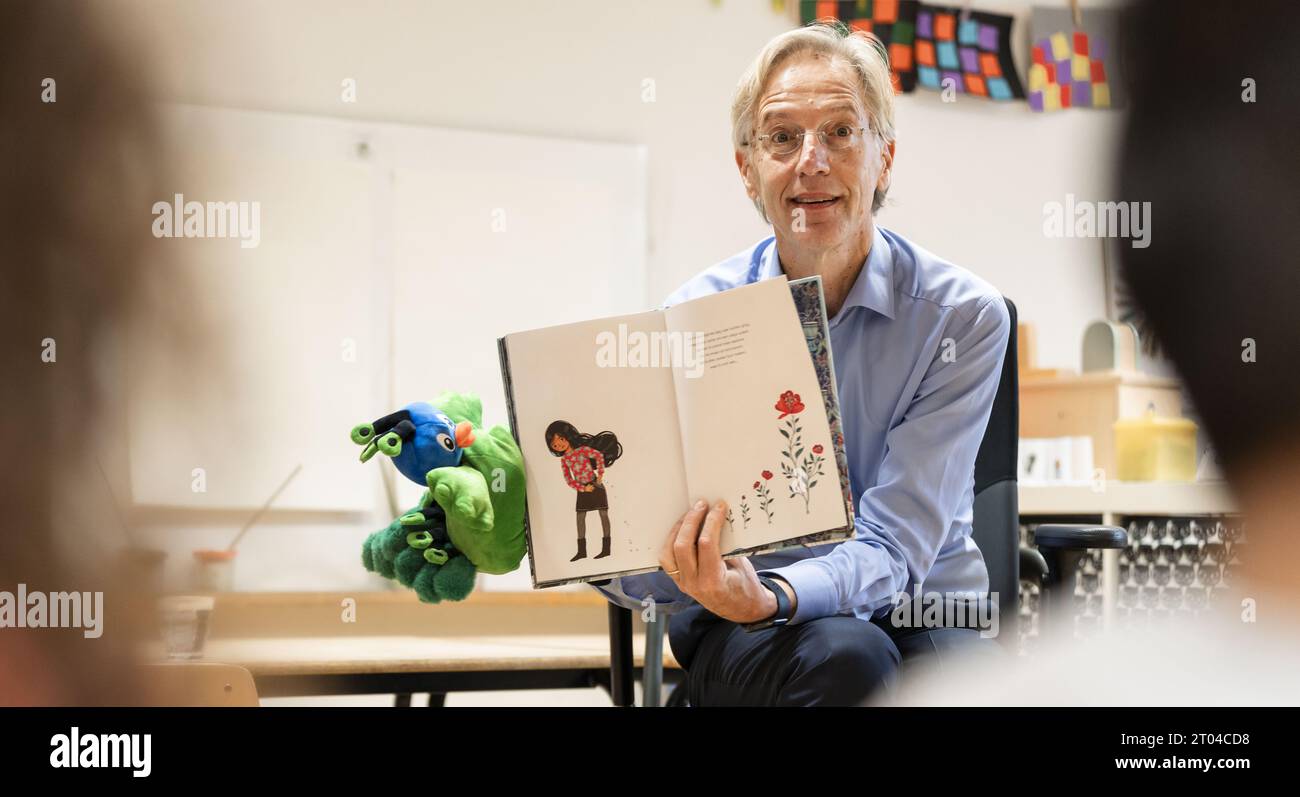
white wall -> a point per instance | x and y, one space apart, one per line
970 182
971 176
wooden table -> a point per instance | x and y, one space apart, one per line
295 645
401 665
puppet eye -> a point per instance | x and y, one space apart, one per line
447 442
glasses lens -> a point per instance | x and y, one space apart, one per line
781 140
837 136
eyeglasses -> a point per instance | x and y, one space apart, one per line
837 136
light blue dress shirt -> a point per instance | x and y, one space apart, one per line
917 350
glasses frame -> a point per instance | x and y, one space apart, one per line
859 134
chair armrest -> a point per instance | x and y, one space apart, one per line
1032 565
1079 536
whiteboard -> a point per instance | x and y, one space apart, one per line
497 234
391 258
274 388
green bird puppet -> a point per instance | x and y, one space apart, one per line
471 517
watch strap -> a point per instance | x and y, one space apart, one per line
782 615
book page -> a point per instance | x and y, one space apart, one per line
605 388
754 425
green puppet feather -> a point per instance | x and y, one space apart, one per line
470 519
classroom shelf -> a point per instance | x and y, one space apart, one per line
1116 498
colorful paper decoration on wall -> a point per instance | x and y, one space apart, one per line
1073 67
892 21
969 51
935 46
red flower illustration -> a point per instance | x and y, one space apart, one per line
817 449
767 474
755 485
788 404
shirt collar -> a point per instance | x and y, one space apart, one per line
874 287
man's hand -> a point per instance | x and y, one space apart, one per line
691 557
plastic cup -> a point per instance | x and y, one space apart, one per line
184 624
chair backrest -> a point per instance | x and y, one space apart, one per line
995 525
200 683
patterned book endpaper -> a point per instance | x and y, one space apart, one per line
810 303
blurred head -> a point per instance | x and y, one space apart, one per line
82 148
822 77
1219 282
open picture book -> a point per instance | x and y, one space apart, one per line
625 422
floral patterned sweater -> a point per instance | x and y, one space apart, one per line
577 466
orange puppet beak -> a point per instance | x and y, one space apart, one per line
464 434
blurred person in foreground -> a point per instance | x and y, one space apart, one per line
1221 173
77 132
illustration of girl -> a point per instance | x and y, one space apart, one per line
583 459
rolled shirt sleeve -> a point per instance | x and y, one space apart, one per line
904 518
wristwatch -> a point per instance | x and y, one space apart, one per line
783 612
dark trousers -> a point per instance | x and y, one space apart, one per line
830 661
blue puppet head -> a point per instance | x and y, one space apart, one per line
419 438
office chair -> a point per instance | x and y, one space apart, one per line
995 527
995 517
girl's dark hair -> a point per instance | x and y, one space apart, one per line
604 442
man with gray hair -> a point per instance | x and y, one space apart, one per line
918 346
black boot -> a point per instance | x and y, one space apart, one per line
582 550
604 548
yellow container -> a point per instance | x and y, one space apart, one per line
1151 448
